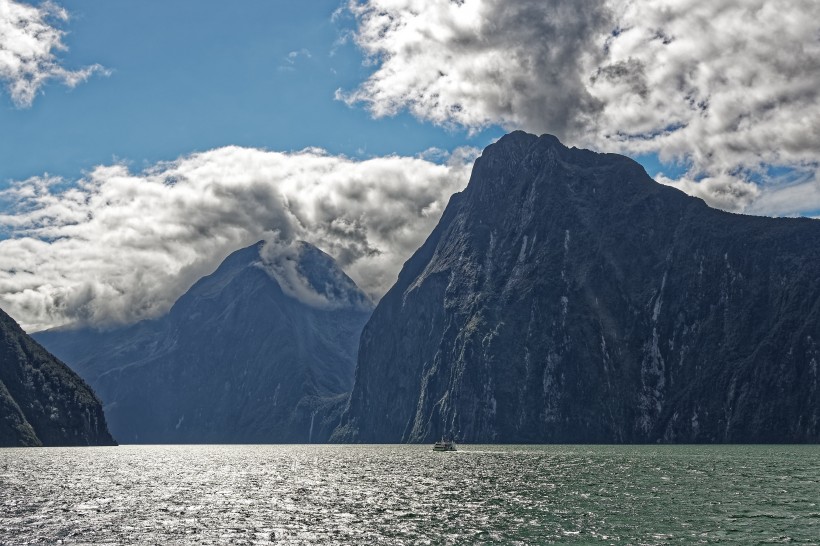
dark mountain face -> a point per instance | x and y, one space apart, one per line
260 351
567 297
42 402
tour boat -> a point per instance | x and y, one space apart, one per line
444 445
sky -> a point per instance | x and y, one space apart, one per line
142 142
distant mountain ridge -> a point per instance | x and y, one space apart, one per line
565 296
42 402
260 351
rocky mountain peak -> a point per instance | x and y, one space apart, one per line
43 402
257 351
565 296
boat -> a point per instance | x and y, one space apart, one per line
444 445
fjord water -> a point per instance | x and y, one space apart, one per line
407 494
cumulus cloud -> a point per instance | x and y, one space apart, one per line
724 87
28 42
118 246
476 63
796 195
722 191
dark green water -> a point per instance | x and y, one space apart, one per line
411 495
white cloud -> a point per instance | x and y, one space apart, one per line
119 246
724 86
790 198
723 191
476 63
292 58
310 276
28 42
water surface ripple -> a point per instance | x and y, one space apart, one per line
410 495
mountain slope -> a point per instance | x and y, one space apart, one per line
42 402
251 353
567 297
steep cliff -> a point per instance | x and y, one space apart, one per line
567 297
262 350
42 402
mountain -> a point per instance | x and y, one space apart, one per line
567 297
42 402
262 350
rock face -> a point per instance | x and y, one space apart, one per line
567 297
262 350
42 402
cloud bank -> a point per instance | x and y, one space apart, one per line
731 90
118 246
726 88
28 42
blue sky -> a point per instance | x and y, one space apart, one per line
189 76
142 142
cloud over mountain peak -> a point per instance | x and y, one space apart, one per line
726 88
119 246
